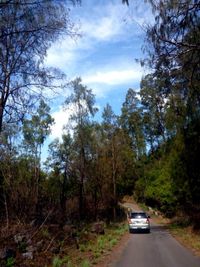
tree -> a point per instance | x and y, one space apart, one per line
27 30
109 124
82 101
8 153
172 92
154 104
35 131
131 121
37 128
60 161
174 49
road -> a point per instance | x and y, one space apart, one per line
157 249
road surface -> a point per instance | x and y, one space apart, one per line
157 249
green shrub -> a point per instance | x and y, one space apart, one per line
85 263
10 262
113 242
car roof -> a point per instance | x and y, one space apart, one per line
138 211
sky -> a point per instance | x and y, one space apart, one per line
104 56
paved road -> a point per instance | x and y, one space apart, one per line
157 249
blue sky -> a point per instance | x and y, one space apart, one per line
104 56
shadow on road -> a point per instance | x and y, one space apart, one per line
154 228
158 227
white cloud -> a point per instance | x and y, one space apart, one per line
62 54
113 77
104 27
61 118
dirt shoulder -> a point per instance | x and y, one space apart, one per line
107 260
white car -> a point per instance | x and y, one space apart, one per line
138 221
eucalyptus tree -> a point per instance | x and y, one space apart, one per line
154 108
173 49
8 155
60 162
132 122
35 131
83 102
117 159
27 30
109 124
173 55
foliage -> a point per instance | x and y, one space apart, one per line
58 262
27 30
85 263
10 262
170 103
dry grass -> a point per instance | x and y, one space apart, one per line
188 237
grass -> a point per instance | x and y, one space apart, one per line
186 236
59 262
91 251
10 262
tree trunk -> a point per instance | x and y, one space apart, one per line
1 116
81 199
114 181
6 210
63 193
82 176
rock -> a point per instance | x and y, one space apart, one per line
28 255
55 250
2 254
40 245
67 229
98 228
19 238
30 249
5 254
29 241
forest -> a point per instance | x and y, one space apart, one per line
150 151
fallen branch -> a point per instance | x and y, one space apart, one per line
37 231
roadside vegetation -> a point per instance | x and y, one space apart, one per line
81 245
151 150
187 236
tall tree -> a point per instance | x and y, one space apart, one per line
174 48
27 30
59 160
131 121
8 153
173 57
35 131
153 101
82 100
109 124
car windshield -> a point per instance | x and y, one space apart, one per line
138 215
